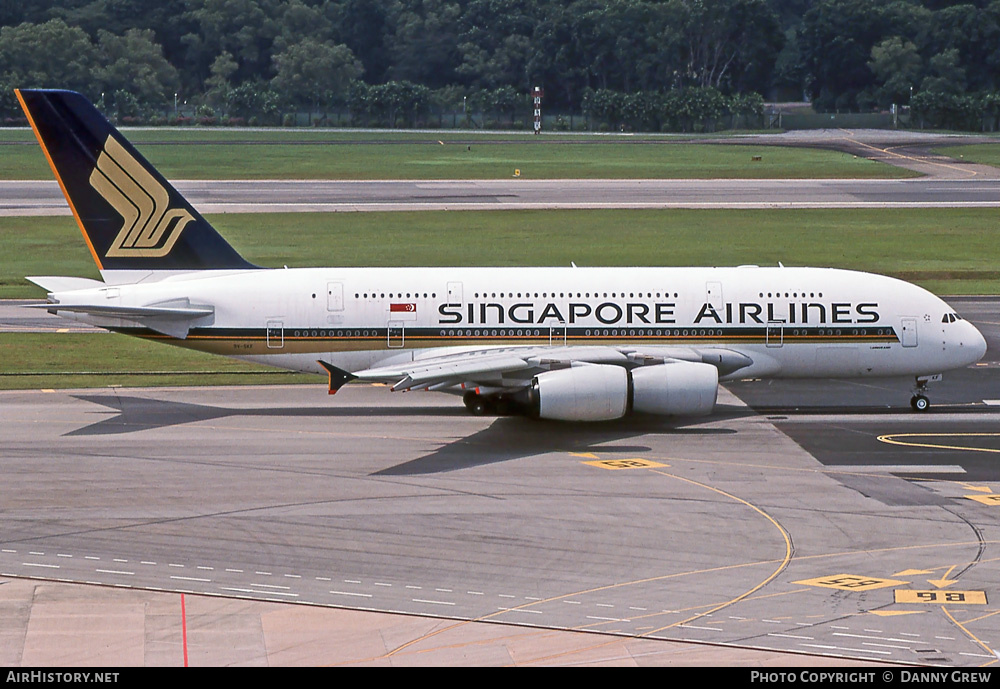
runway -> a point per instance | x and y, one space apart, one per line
35 198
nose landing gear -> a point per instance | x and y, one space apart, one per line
919 401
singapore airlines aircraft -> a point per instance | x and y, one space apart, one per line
575 344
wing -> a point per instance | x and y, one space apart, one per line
499 369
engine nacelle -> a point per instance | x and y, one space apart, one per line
581 393
602 392
680 387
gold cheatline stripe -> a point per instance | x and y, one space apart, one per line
301 345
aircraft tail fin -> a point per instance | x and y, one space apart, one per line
131 217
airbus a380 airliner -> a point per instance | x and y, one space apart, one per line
574 344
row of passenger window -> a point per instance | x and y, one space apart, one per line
519 295
792 295
571 295
393 295
651 332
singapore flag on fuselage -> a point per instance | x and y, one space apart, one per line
403 312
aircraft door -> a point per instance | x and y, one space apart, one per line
275 334
455 293
557 334
909 335
775 336
395 334
713 295
335 296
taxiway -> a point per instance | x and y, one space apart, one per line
735 531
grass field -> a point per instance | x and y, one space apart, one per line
950 251
319 135
987 154
597 158
70 360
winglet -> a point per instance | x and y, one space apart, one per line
338 376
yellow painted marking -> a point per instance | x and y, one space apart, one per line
626 464
913 572
781 566
588 455
896 613
981 489
969 634
48 390
944 581
926 161
892 440
787 558
982 617
992 499
940 597
850 582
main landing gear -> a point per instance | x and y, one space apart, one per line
919 401
496 404
478 405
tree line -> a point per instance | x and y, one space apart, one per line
640 64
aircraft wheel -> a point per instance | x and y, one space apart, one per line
920 403
477 404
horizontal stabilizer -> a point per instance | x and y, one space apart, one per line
170 318
54 283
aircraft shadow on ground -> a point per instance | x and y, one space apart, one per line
510 438
140 413
504 439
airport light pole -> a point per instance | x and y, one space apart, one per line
536 95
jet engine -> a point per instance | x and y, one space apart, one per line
602 393
580 393
682 387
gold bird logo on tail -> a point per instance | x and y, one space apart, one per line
151 228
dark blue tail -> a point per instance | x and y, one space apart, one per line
131 217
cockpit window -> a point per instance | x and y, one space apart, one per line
950 318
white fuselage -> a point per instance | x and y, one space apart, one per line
792 322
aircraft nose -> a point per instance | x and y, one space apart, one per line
971 342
